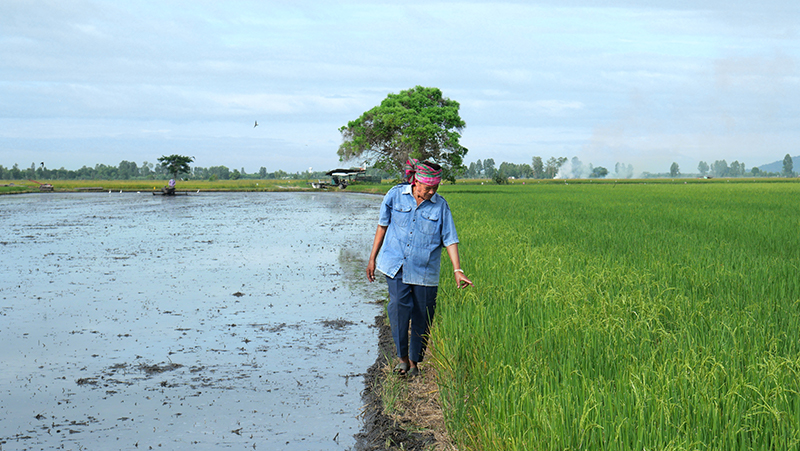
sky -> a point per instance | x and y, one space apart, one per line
643 83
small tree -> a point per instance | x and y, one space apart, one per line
553 165
788 166
488 168
598 172
538 168
674 170
176 164
703 168
478 169
418 123
720 168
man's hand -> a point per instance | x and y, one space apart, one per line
377 242
462 281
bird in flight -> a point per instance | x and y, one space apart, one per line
256 125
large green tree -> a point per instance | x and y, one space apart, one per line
176 164
418 123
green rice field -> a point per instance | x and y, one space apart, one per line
658 316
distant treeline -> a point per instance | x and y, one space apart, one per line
540 169
720 168
563 167
128 170
560 167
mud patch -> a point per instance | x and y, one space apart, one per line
337 324
159 368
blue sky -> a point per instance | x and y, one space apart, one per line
644 83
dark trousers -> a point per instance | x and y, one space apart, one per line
414 304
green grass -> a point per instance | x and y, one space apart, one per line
623 317
25 186
15 189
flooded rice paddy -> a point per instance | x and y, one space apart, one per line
207 321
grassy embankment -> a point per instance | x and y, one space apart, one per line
621 317
26 186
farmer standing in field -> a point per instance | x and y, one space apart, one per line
415 224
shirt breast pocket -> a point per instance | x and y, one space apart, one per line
429 222
401 215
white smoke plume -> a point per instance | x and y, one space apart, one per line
575 169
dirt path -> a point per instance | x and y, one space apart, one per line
421 424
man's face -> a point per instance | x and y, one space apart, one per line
424 192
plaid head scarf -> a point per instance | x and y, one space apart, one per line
422 173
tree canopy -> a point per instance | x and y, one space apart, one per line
176 164
418 123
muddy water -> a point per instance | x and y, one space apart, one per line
207 321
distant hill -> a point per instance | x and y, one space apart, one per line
778 165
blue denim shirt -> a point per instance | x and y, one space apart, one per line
415 236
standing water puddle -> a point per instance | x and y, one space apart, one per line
208 321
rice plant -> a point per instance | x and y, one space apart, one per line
627 317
